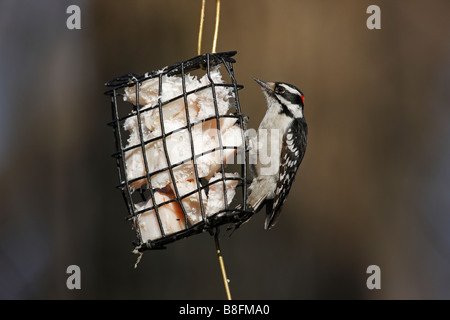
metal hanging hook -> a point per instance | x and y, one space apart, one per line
216 27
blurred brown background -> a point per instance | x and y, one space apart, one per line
373 188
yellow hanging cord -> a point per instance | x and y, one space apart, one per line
200 31
222 265
199 52
216 28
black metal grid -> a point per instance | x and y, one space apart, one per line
122 110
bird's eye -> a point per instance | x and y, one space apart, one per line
280 90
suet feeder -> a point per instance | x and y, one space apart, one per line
177 135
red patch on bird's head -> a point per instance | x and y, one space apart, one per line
303 99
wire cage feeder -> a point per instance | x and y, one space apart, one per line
181 150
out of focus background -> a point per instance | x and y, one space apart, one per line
373 189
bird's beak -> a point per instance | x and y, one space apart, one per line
268 86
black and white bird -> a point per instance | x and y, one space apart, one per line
285 123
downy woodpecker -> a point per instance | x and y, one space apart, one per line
286 125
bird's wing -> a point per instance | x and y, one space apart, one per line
294 143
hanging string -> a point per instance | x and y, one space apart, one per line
222 265
216 27
199 52
200 31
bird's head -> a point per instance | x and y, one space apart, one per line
286 96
